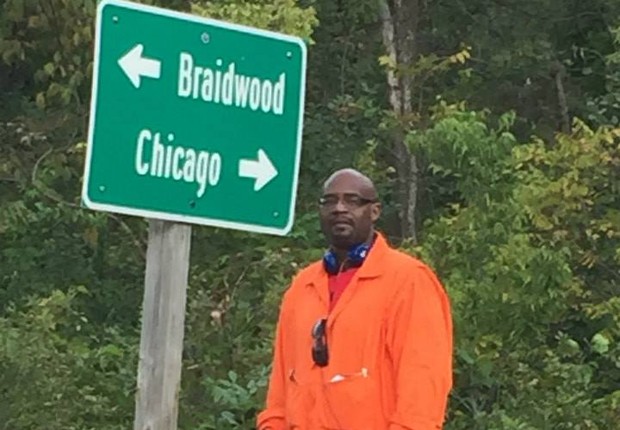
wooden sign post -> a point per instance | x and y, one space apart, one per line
163 319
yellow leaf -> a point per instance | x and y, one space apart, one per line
34 21
91 236
40 101
386 60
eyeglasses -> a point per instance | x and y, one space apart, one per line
351 201
319 347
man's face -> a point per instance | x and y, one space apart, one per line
348 211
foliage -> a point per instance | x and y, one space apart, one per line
52 373
521 222
515 67
276 15
605 107
527 263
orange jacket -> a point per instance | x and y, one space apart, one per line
390 350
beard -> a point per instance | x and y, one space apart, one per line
342 236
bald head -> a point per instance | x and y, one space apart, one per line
349 209
363 184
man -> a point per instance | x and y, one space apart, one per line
364 337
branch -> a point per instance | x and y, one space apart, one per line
342 65
33 176
136 241
139 245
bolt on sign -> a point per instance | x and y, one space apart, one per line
194 120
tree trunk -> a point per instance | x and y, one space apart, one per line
559 73
399 25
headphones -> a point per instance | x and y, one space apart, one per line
355 256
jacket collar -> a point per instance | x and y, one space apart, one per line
371 268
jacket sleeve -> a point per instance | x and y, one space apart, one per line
272 417
420 347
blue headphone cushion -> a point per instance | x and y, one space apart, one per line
356 256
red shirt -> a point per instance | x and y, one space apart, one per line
337 284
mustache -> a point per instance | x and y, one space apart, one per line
340 220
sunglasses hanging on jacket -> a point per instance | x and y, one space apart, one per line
320 355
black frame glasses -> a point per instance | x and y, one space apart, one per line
350 200
320 355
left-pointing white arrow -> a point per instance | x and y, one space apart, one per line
135 65
261 170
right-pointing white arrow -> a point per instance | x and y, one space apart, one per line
135 65
262 170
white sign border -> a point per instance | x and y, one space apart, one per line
188 219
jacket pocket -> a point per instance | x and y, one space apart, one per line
351 402
297 404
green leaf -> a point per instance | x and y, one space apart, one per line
600 343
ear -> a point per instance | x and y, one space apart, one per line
375 212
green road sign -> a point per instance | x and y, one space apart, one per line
194 120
